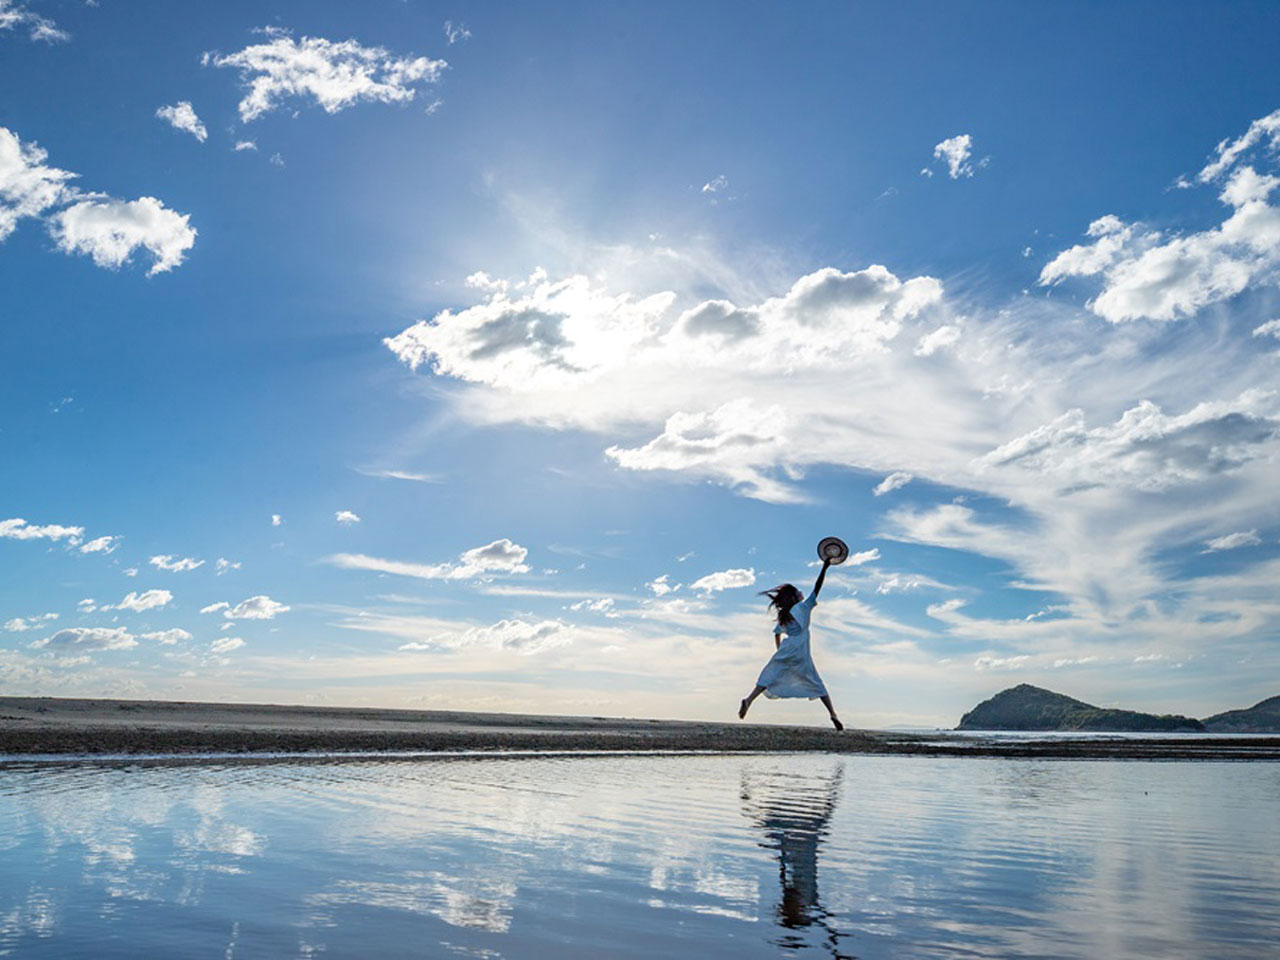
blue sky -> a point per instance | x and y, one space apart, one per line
553 333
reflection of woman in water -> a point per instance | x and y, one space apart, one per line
790 671
795 815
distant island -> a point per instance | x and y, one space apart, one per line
1262 717
1025 707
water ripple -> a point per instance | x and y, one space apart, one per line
641 856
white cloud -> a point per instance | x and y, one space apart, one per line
956 152
87 605
454 32
215 607
131 571
21 625
863 556
226 566
716 184
1146 275
499 557
521 636
175 564
558 333
334 75
1094 452
167 637
1269 329
1265 130
276 520
725 580
255 608
88 638
110 231
101 545
894 481
662 585
13 14
1018 662
402 475
182 116
1146 448
276 160
603 605
226 644
242 145
731 443
1247 185
27 186
1073 662
901 583
945 336
18 529
139 602
1232 541
346 517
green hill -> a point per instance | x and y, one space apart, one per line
1025 707
1263 717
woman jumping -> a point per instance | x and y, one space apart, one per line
790 671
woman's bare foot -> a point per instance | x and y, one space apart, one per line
835 722
742 710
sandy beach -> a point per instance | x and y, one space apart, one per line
47 725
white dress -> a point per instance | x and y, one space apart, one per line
790 671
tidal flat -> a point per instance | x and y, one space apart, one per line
733 856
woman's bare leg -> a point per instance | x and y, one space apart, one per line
746 704
835 721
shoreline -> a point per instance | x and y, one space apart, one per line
47 727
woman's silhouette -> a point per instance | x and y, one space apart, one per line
794 814
790 671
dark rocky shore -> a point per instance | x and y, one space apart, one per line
32 726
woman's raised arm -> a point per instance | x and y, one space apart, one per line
821 577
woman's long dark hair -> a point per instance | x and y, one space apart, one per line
784 597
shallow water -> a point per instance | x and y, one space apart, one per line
729 856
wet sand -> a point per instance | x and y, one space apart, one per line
49 725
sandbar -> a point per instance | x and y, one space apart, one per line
31 726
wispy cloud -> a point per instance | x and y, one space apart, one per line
141 602
521 636
334 75
175 564
387 474
14 15
102 545
182 116
167 638
456 32
22 625
1232 541
499 557
226 645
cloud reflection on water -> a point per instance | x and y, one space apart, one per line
637 857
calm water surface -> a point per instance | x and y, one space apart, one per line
806 856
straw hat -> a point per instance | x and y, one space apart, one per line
833 549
